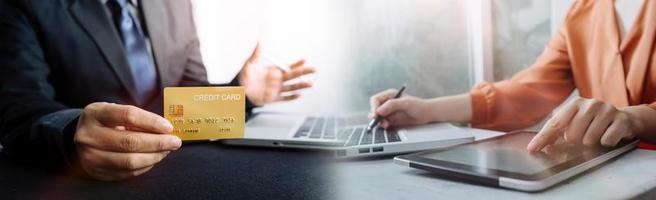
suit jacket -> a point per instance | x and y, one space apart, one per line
57 56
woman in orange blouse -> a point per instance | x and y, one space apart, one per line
615 76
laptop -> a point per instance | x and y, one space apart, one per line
346 135
504 162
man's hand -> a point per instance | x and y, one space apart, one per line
403 111
116 142
265 83
585 121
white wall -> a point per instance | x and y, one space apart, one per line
286 29
360 47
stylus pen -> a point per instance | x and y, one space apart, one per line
279 65
373 123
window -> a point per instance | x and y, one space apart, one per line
521 29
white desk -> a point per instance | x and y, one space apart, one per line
631 175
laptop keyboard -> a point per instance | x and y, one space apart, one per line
324 127
344 129
360 136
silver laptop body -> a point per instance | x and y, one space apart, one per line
346 135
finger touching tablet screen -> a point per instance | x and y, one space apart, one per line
505 162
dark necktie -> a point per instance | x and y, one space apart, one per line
134 42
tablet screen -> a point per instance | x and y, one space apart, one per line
509 154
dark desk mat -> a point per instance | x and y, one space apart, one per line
196 171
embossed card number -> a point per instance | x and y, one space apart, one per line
204 113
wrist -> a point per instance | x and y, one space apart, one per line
637 116
454 109
435 110
642 120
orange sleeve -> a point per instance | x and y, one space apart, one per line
644 144
530 95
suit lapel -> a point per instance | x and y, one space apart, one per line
157 24
91 16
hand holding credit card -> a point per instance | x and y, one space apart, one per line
204 113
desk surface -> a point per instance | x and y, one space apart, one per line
201 171
211 170
631 176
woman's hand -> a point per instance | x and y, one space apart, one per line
586 121
403 111
409 110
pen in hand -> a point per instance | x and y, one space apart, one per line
374 122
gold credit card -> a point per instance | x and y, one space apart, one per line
203 113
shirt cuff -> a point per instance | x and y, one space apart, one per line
479 104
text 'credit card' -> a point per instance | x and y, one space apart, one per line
204 113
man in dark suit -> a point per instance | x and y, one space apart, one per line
60 58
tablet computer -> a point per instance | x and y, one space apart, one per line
505 162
